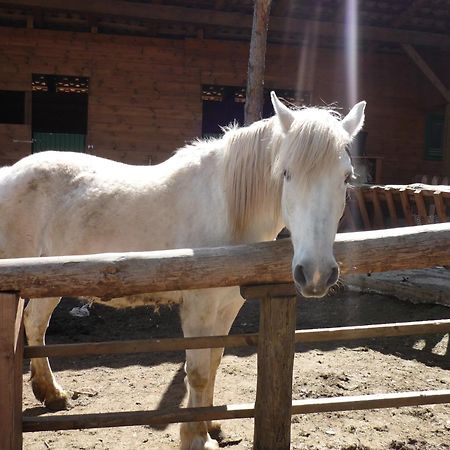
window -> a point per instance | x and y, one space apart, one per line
224 105
59 112
12 107
434 137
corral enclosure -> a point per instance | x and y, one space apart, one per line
352 252
130 382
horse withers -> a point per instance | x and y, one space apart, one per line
289 170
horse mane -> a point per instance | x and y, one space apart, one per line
256 156
249 181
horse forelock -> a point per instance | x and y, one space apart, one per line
313 144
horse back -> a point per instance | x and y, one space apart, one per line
34 191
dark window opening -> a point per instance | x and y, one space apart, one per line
12 107
59 112
434 137
224 105
60 104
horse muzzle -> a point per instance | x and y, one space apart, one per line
312 282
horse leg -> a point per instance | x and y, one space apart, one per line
198 317
201 315
45 387
224 320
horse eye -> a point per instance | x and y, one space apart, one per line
286 175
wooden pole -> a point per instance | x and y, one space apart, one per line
257 62
240 411
11 361
236 340
446 142
120 274
276 347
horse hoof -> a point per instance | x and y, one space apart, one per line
200 444
195 439
58 402
53 398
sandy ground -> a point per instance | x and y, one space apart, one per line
148 381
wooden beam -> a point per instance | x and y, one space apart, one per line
446 141
254 94
236 340
427 71
120 274
246 410
11 361
407 14
276 349
156 12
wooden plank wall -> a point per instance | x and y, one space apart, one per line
145 94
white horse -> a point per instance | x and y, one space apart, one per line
291 169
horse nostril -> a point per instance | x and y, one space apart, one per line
299 275
332 279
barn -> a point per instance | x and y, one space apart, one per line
135 80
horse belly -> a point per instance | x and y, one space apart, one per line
154 300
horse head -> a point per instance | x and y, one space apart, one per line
313 159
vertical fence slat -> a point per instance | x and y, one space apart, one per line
11 363
378 213
362 209
391 206
404 198
275 363
440 206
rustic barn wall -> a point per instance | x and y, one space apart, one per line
145 94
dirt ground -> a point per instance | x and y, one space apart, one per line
148 381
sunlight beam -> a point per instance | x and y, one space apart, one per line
351 50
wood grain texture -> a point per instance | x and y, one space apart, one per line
119 419
276 347
120 274
11 361
237 340
257 62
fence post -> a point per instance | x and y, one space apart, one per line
11 363
276 346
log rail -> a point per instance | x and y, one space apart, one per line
121 274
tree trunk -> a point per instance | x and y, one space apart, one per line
256 62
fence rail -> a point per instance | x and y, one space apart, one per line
237 340
240 411
121 274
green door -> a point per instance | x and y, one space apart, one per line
65 142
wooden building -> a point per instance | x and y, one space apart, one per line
135 80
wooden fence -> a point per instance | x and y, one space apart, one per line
133 273
372 207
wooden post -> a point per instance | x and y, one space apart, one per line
11 361
256 62
276 344
446 142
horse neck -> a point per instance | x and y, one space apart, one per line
253 193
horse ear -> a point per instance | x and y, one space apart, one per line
283 113
354 120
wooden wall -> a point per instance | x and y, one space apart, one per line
145 94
